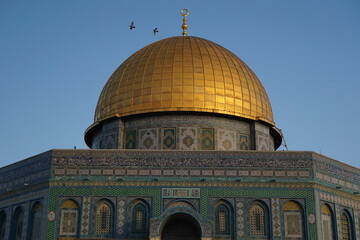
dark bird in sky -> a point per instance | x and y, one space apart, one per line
132 25
155 31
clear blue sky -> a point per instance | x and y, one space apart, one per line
55 57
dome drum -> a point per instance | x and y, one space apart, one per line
182 131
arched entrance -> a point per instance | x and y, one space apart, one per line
181 226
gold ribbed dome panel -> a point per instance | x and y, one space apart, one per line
184 74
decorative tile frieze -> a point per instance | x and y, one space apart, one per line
120 171
169 172
339 200
334 180
206 172
82 171
144 172
95 172
268 173
231 173
64 159
156 172
291 173
132 172
181 192
255 173
27 167
243 173
195 172
219 172
71 171
181 172
280 173
304 173
108 172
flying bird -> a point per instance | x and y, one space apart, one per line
155 31
132 25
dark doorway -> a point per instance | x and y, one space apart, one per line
181 226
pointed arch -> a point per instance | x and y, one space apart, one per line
293 220
3 219
69 218
327 222
139 222
181 225
259 219
223 219
17 225
34 232
181 203
346 221
103 219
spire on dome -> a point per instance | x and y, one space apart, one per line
184 13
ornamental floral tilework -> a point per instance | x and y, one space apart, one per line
262 143
149 138
226 140
168 138
188 138
207 139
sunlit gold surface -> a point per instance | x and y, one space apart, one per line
184 74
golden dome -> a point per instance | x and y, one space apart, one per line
184 74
